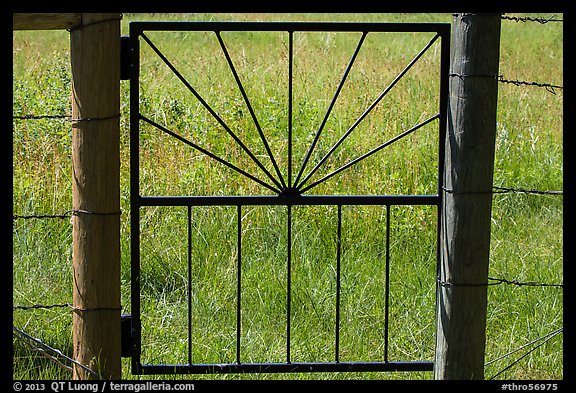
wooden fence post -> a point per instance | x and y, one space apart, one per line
466 214
95 61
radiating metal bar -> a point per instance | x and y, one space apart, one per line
396 138
288 280
208 153
189 294
387 289
239 284
269 200
290 61
338 258
443 107
295 367
368 110
212 112
247 101
334 98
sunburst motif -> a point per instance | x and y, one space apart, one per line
294 184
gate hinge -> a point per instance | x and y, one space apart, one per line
124 58
126 335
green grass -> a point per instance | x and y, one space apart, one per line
527 239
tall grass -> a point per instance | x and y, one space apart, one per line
526 232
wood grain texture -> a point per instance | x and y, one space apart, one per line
466 212
95 63
45 21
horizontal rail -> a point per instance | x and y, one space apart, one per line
441 28
332 200
45 21
284 367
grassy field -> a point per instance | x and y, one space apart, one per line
527 238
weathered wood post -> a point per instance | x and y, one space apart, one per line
466 214
95 60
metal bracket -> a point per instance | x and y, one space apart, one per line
126 335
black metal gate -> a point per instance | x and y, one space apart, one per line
283 186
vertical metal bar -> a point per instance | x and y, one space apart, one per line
238 284
135 197
387 290
189 294
338 258
443 122
289 281
442 130
443 104
290 61
289 223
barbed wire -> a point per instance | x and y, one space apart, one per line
502 190
22 337
500 78
41 117
506 190
498 281
548 86
545 339
495 190
66 214
41 306
65 117
52 354
531 19
495 281
64 305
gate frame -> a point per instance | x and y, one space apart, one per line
287 197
